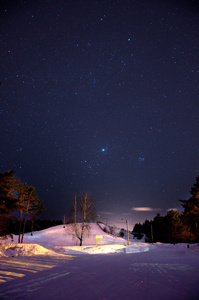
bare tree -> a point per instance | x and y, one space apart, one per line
82 213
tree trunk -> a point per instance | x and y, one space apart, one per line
20 221
82 233
24 225
25 219
75 216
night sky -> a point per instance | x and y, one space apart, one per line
101 96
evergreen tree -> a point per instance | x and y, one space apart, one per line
28 206
137 228
22 191
8 200
191 209
177 231
160 230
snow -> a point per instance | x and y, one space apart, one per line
12 250
51 265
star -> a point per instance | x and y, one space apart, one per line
141 159
100 97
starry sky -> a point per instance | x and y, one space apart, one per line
101 96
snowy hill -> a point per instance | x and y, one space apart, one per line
61 240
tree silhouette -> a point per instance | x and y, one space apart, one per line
8 200
17 197
28 206
82 213
191 209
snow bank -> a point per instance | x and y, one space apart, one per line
11 250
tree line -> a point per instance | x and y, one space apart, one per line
18 203
175 227
32 225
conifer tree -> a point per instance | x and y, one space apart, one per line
28 206
8 200
178 231
191 209
17 197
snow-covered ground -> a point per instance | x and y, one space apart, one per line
51 265
61 240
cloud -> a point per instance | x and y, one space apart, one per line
144 208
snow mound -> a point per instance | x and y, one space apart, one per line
10 250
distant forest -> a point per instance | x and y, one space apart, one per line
174 227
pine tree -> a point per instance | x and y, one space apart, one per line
8 200
28 206
22 191
191 209
178 231
17 197
160 230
